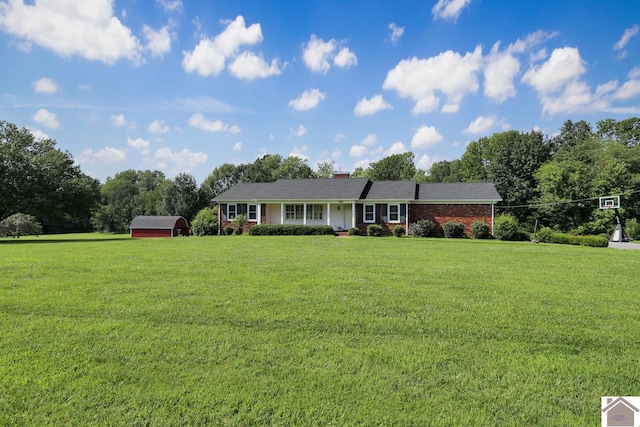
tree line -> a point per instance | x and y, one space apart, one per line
551 180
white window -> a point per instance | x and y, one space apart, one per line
293 212
369 215
394 213
232 211
314 212
252 212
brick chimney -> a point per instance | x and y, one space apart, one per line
340 175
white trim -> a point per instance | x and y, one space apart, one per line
235 211
353 214
364 213
328 213
256 219
396 221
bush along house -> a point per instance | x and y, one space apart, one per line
344 202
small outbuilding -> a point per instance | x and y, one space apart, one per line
159 226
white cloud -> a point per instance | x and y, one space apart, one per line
158 126
499 72
481 125
198 121
72 27
300 131
234 130
300 152
171 5
425 137
396 148
449 73
209 56
345 58
317 55
118 120
249 66
425 162
635 72
369 140
626 36
237 146
46 118
46 85
339 137
366 107
629 89
38 135
308 100
138 143
564 65
185 160
396 32
106 155
449 9
158 41
358 150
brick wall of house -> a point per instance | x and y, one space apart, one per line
441 214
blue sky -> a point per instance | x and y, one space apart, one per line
185 86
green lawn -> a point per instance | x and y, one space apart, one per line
241 330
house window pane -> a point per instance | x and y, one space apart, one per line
314 212
232 211
369 213
394 213
252 214
295 212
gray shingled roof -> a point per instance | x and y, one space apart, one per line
297 189
359 189
459 191
155 222
391 190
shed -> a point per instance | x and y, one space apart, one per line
159 226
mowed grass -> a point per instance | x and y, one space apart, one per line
241 330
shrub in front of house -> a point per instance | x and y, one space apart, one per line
228 230
354 231
290 230
453 230
544 235
374 230
398 231
422 228
505 227
205 223
480 230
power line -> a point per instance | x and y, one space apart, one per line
564 202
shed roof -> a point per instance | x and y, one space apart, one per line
156 222
458 191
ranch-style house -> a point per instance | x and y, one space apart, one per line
344 202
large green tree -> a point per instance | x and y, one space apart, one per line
36 178
395 167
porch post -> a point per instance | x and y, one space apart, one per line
406 220
353 214
328 213
281 213
259 212
493 213
304 214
